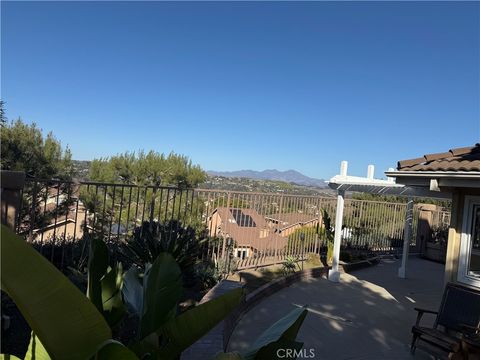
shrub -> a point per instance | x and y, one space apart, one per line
153 238
207 275
329 251
289 265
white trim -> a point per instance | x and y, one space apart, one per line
382 187
434 174
465 243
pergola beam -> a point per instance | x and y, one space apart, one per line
343 183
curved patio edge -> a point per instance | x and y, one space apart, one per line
263 292
218 338
255 297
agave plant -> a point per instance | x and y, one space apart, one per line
153 238
290 265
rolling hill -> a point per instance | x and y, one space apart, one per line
289 176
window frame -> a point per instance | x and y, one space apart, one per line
466 242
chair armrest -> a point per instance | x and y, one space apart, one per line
426 311
421 312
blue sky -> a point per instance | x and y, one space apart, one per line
248 85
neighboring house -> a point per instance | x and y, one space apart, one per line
55 195
269 245
62 225
248 229
66 226
456 172
286 224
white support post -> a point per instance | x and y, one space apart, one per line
407 234
334 273
370 172
343 168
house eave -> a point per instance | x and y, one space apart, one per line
435 174
437 180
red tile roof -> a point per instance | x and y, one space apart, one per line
459 159
255 236
268 243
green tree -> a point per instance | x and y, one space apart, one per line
152 169
148 171
25 148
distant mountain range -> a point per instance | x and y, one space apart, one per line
290 176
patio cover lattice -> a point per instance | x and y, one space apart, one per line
342 183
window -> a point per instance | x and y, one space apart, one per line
242 219
469 262
242 254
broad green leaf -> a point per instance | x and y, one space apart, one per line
113 308
68 324
285 329
295 318
36 351
188 327
162 286
113 350
97 267
133 291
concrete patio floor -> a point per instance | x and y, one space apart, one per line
368 315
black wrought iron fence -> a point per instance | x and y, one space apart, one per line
238 229
55 215
261 229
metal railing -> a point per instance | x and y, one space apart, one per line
440 222
239 229
54 215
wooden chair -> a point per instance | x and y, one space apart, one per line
458 315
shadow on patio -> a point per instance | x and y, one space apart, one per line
368 315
